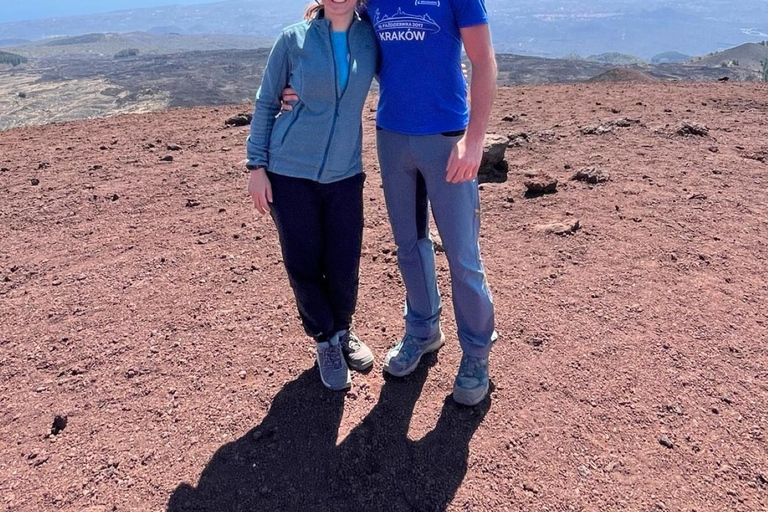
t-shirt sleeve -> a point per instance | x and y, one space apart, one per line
470 12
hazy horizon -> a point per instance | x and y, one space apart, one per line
41 9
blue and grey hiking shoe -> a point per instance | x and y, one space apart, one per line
334 371
359 356
472 382
404 357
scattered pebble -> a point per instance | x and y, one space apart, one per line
59 424
666 442
687 129
591 175
560 228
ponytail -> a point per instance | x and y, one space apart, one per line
312 11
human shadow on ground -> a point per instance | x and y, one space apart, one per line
291 463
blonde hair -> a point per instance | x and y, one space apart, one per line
312 10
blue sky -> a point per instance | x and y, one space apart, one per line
15 10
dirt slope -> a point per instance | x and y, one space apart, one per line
142 300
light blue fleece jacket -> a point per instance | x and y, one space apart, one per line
321 138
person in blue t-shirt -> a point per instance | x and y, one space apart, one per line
430 146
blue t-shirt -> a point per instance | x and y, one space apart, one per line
422 87
341 55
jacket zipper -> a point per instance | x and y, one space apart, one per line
338 98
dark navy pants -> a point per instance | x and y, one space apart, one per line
321 233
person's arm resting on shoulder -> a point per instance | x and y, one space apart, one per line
275 79
468 153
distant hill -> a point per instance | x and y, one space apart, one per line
624 75
543 28
748 56
670 58
616 59
13 42
94 45
11 59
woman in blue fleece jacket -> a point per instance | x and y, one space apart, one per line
306 170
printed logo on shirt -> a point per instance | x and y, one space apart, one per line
402 26
431 3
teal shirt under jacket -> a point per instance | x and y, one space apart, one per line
321 138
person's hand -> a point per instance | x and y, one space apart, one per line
260 190
465 160
288 99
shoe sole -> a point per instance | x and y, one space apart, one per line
470 398
362 365
434 347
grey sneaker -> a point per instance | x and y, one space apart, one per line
404 357
359 356
472 382
334 371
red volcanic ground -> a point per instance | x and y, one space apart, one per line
142 302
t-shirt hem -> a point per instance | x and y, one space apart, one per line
426 131
474 23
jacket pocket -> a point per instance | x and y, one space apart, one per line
293 120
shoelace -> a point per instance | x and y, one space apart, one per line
470 366
409 347
332 359
351 341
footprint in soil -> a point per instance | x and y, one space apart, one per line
291 462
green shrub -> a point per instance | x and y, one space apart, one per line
765 71
12 59
130 52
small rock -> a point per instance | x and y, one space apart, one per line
698 196
517 140
625 122
35 182
494 168
591 175
22 95
59 424
596 130
584 471
510 119
666 442
173 147
530 488
560 228
192 203
692 129
167 158
114 197
56 282
239 120
242 374
539 184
